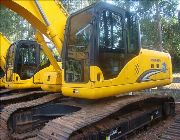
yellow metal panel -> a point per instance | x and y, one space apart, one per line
34 82
2 82
131 78
4 45
97 93
52 80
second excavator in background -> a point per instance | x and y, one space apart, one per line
26 61
41 15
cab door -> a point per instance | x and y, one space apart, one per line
10 63
37 74
111 47
111 44
118 44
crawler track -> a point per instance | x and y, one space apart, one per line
21 120
75 126
21 97
5 91
9 110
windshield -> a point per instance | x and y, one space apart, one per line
30 60
27 61
77 59
80 32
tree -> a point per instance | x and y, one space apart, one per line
13 26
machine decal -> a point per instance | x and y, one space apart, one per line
146 75
137 67
164 67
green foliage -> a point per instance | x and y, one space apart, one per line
171 40
13 26
166 10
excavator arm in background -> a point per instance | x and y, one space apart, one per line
4 45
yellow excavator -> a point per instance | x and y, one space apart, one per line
102 57
5 43
25 65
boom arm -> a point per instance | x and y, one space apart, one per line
47 51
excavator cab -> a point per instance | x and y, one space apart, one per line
107 37
104 37
24 59
102 54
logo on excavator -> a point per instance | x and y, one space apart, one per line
147 74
